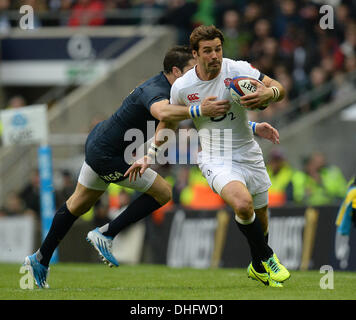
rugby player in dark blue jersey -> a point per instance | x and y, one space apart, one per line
105 163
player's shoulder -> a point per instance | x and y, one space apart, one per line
237 64
159 80
187 80
235 68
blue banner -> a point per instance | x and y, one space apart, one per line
46 192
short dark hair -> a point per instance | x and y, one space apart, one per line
178 56
204 33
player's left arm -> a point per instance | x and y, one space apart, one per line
271 91
271 84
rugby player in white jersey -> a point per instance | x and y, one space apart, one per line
232 160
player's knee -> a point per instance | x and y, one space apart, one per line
78 208
81 201
243 208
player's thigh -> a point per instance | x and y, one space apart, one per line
236 195
88 190
152 184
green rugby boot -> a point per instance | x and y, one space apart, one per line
262 277
277 271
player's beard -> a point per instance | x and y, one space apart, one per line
214 67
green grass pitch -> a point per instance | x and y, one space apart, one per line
157 282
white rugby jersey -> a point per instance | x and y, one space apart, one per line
237 142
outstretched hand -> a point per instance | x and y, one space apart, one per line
138 168
266 131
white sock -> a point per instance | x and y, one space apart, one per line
248 221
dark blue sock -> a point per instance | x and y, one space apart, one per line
136 210
257 243
62 222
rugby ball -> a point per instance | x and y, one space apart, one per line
240 86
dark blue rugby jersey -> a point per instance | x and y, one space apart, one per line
107 137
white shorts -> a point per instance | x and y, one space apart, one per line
90 179
253 176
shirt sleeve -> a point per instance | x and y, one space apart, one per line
175 99
247 69
149 96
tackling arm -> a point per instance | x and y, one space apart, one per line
210 107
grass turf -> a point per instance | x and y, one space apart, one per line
157 282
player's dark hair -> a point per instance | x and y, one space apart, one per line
204 33
178 56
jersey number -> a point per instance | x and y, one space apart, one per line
231 114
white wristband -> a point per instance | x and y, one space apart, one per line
276 93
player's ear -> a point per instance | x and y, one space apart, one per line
177 72
195 53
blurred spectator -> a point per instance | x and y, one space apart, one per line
118 198
342 20
252 13
262 31
319 77
350 63
16 102
147 11
65 11
198 195
269 56
87 13
179 13
236 40
204 13
5 24
318 184
15 206
286 17
280 173
348 46
101 212
182 178
30 194
66 189
342 86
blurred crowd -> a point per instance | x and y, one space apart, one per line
283 39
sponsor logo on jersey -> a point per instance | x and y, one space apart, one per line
193 97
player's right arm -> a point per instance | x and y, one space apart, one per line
210 107
141 165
